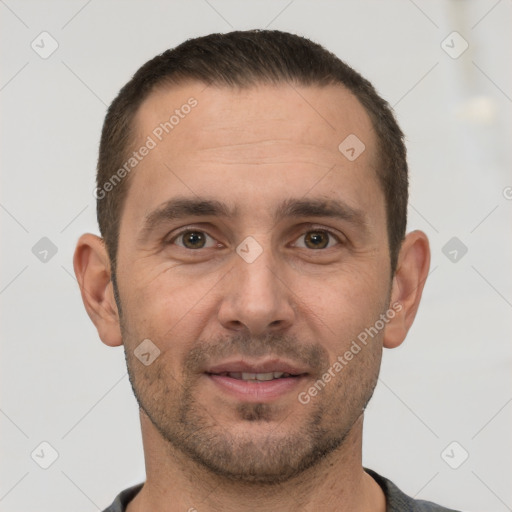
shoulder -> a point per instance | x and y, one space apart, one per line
397 501
123 498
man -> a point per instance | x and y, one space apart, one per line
252 197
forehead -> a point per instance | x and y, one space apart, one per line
251 147
319 116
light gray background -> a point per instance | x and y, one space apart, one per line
450 381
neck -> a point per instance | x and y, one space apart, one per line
174 482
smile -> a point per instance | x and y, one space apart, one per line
256 381
263 377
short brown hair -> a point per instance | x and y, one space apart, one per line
244 59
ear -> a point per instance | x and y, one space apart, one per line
407 287
92 270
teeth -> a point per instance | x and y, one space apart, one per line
257 376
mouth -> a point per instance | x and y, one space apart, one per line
259 377
262 381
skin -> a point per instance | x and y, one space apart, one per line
252 149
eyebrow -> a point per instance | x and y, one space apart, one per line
184 207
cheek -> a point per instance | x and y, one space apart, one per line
342 305
163 303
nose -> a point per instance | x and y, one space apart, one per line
257 297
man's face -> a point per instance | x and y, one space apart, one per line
289 299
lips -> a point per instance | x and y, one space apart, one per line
258 381
257 371
262 377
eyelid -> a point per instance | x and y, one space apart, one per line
321 227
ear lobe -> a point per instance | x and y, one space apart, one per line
92 270
407 288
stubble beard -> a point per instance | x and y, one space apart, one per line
237 454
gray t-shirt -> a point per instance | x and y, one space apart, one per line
396 500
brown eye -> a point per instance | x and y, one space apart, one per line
193 240
318 239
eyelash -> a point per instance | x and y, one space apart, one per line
310 230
